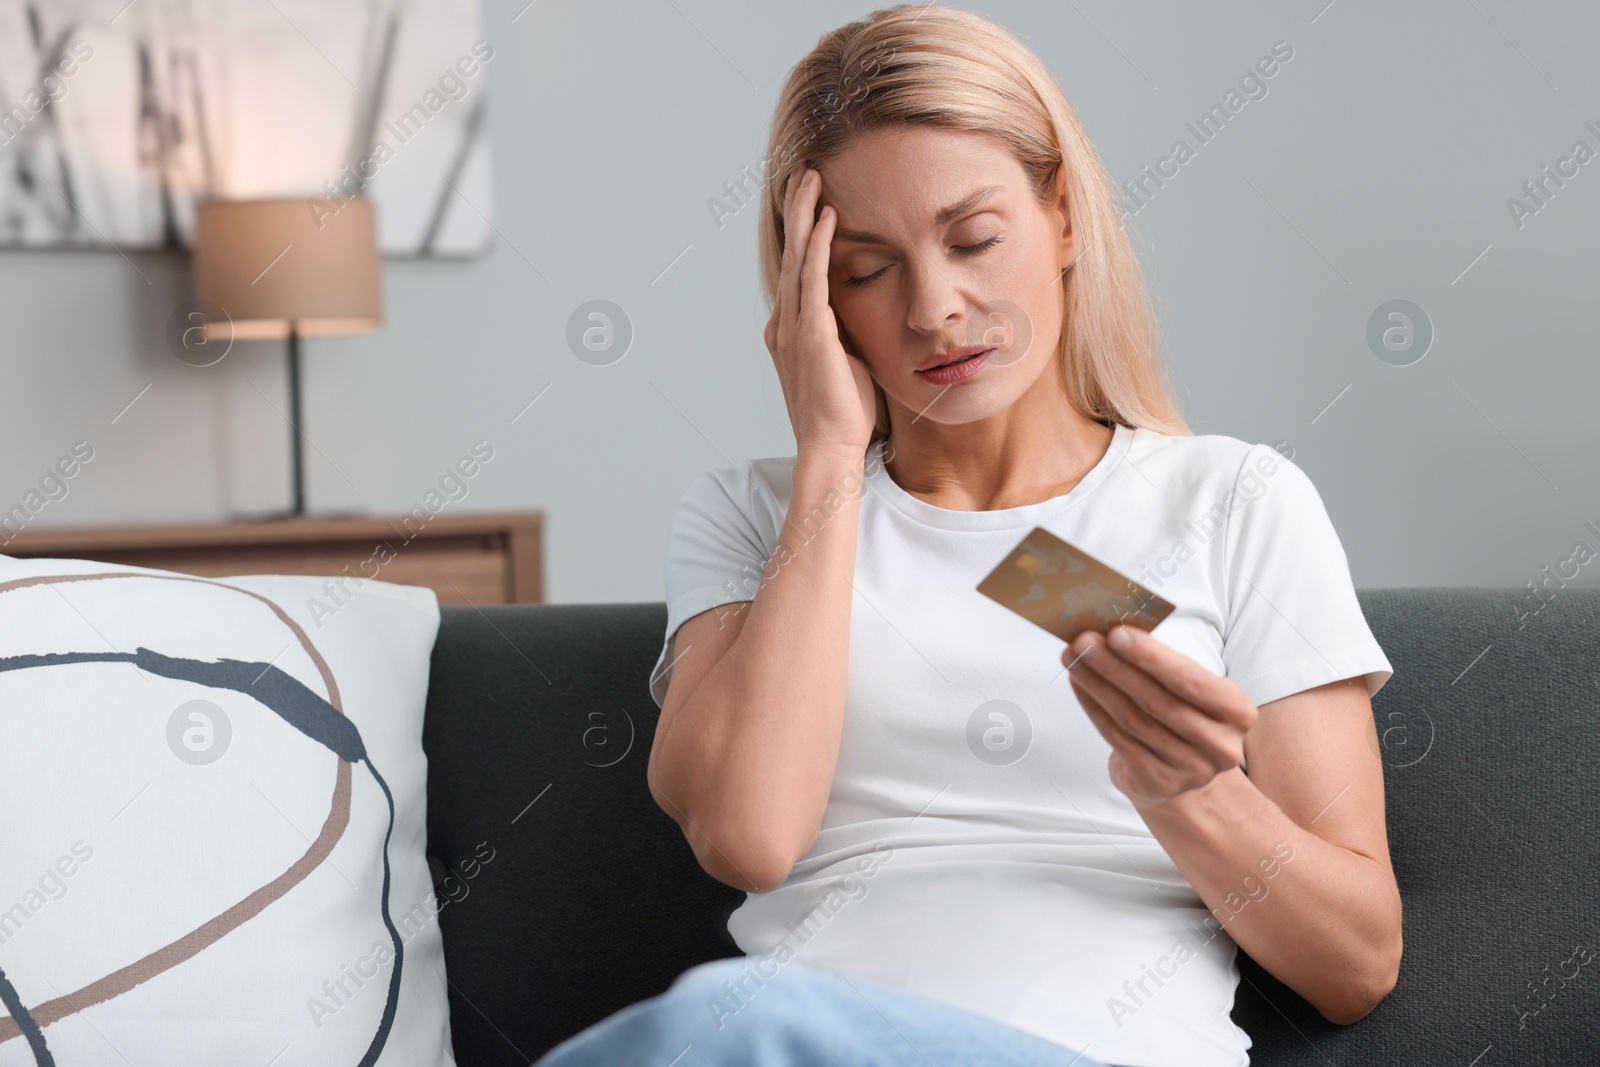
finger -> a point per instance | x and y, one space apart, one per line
797 224
791 181
814 276
1210 734
1167 746
786 258
1187 680
1131 747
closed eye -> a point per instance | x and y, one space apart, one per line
966 250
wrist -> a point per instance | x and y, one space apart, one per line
1206 798
833 458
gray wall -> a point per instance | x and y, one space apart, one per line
1378 165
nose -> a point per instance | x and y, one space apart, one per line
935 299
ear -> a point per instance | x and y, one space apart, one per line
1067 249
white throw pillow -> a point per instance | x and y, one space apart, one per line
214 804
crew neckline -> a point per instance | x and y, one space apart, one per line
1026 515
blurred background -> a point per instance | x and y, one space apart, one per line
1423 172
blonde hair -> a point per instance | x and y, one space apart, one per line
942 67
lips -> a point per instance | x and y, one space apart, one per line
959 371
955 355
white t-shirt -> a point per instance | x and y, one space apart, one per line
973 848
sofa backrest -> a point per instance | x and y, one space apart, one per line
569 895
538 729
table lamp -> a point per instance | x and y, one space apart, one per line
288 268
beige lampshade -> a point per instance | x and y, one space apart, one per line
270 263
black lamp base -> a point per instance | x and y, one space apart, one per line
298 460
297 509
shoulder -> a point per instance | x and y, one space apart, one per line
754 485
1201 460
752 497
1254 492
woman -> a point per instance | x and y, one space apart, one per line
950 856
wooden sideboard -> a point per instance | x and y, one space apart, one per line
477 559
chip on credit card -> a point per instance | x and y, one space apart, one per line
1066 591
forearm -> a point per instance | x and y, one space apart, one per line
750 757
1325 921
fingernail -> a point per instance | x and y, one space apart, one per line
1120 639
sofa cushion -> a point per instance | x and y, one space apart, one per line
214 802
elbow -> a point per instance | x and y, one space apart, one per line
754 867
749 875
1364 996
732 855
1376 976
1358 1006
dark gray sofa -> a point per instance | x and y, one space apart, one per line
539 726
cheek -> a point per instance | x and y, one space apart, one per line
860 330
867 327
1034 284
856 308
1014 262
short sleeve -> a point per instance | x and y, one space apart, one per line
1293 620
717 551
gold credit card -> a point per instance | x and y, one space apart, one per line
1067 591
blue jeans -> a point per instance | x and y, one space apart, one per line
729 1012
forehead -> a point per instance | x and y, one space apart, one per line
907 174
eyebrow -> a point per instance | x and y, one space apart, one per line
942 216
